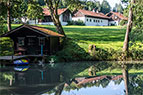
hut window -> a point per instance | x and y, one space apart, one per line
31 41
21 41
41 40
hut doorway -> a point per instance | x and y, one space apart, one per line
32 45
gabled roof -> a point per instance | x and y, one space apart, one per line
47 12
120 15
41 30
93 14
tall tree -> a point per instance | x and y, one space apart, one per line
53 6
8 14
105 7
129 27
2 17
98 6
115 8
90 5
120 8
34 11
126 79
8 5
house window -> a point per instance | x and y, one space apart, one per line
90 20
31 41
21 41
41 40
86 19
94 20
101 20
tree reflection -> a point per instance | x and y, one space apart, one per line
126 79
65 77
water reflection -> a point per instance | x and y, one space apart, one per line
82 78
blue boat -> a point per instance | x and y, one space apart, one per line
21 68
21 62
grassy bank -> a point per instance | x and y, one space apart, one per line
107 39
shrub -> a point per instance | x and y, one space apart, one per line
72 52
123 22
79 22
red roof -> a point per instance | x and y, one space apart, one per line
94 14
42 30
120 15
47 12
45 30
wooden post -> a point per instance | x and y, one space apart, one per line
13 50
41 50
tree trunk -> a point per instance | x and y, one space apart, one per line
53 8
129 28
58 25
8 16
35 21
126 80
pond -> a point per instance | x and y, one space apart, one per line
75 78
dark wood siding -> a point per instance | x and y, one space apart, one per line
33 49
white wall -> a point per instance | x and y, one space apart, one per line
50 23
78 18
92 23
32 21
96 22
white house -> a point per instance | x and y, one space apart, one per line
91 18
64 16
115 18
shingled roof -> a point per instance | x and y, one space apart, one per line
93 14
47 12
120 15
38 29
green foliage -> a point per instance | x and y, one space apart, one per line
118 8
90 5
6 46
72 52
123 22
34 11
137 31
79 22
2 25
105 7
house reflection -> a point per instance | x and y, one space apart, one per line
30 82
56 80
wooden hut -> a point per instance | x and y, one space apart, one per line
34 40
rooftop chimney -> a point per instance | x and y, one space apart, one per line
93 10
97 11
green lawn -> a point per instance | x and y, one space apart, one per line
102 37
107 39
